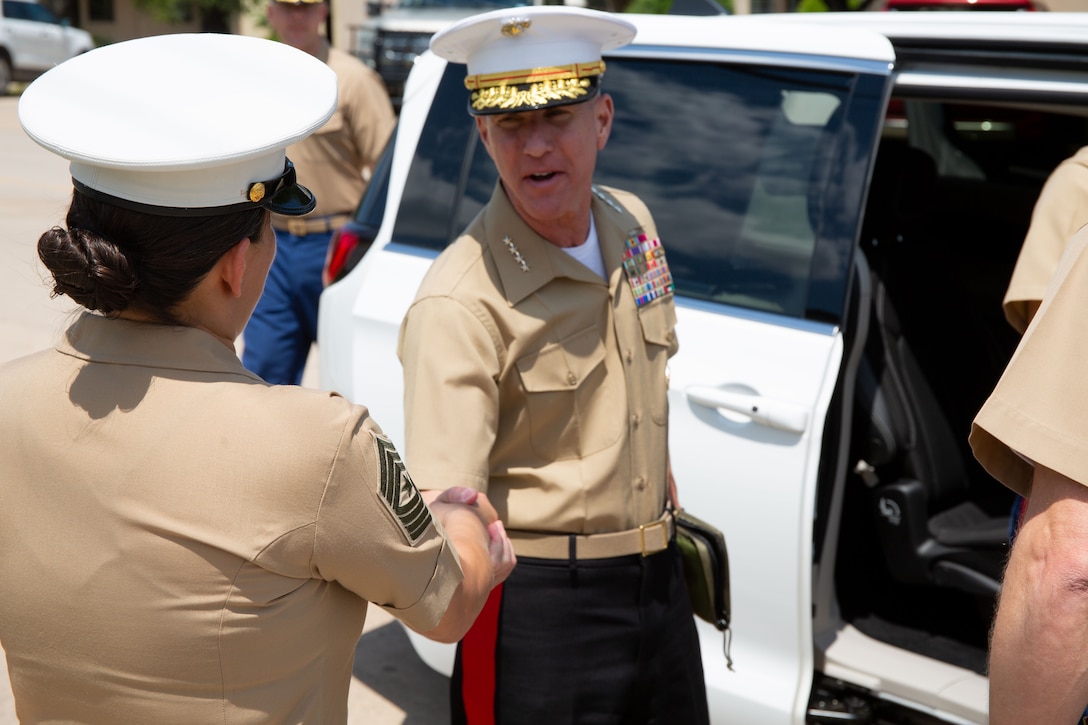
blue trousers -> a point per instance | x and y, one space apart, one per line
284 324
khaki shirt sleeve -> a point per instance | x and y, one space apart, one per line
1038 412
1062 209
376 536
451 397
368 113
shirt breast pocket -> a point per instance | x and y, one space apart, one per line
573 405
658 323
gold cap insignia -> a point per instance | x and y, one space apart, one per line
515 26
256 192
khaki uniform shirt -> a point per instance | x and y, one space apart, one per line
1039 409
1062 209
530 377
182 543
330 162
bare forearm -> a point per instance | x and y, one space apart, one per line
487 556
1037 660
468 535
1039 647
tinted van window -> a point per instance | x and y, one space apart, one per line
425 217
755 195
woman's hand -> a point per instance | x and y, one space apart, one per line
487 556
500 549
465 496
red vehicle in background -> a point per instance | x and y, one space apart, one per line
1001 5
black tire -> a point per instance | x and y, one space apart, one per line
5 74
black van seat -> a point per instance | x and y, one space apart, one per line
907 452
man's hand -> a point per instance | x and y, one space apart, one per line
501 552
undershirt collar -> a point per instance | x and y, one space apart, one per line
589 251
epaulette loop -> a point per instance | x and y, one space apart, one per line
607 199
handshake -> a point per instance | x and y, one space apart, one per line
487 557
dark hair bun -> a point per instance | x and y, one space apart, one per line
91 270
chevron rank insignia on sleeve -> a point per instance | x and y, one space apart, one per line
396 489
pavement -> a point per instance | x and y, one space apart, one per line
391 685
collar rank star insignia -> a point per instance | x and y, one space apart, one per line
396 489
512 248
647 271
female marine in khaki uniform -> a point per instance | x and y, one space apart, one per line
535 369
181 542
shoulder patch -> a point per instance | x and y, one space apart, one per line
399 492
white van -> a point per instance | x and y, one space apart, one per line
843 199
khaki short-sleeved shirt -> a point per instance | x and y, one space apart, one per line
1062 209
530 377
330 162
1039 409
181 542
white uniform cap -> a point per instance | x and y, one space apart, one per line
525 58
183 124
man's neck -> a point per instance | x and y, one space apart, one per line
565 237
569 230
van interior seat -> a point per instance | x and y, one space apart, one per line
930 530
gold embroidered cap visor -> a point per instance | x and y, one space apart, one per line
534 89
528 58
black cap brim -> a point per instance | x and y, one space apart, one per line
293 200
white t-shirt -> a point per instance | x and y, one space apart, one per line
589 251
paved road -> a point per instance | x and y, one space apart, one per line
391 684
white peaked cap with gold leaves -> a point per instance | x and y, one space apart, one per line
527 58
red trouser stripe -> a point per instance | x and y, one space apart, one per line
478 671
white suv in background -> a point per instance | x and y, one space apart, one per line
843 198
33 40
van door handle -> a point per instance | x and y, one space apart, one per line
771 413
